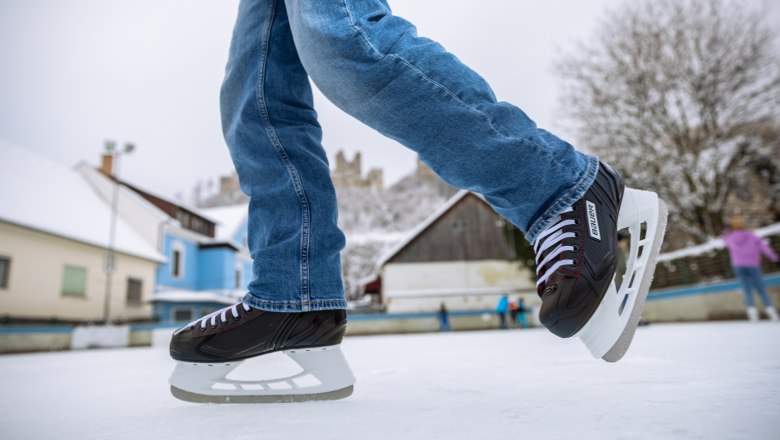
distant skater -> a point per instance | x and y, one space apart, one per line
745 250
502 308
444 318
374 66
521 320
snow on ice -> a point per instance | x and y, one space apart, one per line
686 381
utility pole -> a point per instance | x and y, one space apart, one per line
110 263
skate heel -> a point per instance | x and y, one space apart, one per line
611 329
324 375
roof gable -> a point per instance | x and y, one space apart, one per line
465 228
40 194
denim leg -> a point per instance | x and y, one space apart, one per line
743 274
375 67
274 138
758 283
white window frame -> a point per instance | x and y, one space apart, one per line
239 276
6 282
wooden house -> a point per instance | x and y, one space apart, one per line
459 256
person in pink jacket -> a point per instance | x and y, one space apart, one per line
745 249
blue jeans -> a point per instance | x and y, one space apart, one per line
373 66
751 277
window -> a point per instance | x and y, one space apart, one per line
5 270
176 264
134 291
182 314
177 259
74 281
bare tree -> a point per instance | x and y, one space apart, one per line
664 93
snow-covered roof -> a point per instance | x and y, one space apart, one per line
713 245
229 220
222 297
173 201
423 226
40 194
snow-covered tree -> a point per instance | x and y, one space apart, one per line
664 93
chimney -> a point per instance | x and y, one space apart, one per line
107 164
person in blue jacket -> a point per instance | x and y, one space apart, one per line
502 308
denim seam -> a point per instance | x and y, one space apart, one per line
296 303
565 201
285 158
294 306
417 70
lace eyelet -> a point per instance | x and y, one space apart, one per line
576 234
576 221
575 262
576 248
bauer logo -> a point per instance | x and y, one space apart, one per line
593 220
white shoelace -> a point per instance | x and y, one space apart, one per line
547 239
222 313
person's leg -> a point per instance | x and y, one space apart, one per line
743 275
373 65
295 301
758 283
274 138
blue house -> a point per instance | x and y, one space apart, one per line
204 272
207 265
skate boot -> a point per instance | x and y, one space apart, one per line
771 313
208 350
577 257
752 314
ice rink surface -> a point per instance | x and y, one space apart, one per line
687 381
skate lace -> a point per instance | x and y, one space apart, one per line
222 313
548 247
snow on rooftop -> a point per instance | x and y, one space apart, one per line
678 381
172 200
40 194
229 219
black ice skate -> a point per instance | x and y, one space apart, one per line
577 257
209 349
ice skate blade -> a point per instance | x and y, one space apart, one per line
610 331
323 375
283 398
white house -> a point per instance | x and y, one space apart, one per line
54 240
457 256
207 265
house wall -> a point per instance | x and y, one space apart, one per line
461 285
188 278
217 269
35 281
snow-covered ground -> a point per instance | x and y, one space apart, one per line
708 381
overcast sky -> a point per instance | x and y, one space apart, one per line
75 73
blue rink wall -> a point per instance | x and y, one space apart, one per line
716 301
